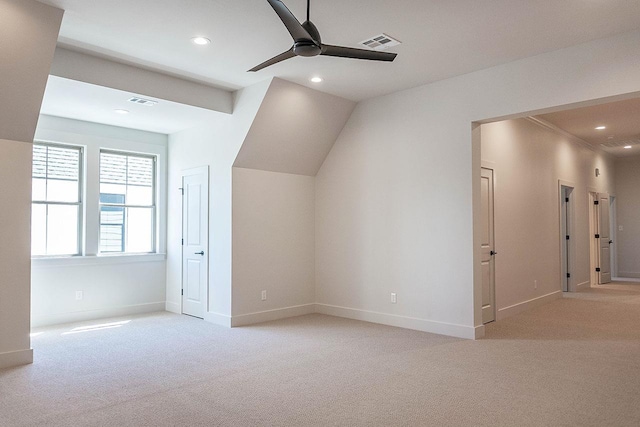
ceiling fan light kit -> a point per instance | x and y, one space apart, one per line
307 41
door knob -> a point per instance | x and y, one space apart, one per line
199 253
610 241
493 253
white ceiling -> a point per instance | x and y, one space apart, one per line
82 101
621 119
441 38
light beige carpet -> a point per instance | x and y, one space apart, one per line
573 362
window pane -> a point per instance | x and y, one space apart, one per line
114 189
113 168
56 173
62 174
39 189
38 229
62 230
139 229
62 191
140 171
140 196
39 161
111 229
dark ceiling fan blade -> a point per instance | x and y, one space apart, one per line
289 20
350 52
284 55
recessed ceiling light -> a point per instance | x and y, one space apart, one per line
601 128
119 111
627 147
201 41
316 79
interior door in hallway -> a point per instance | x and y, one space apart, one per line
566 240
195 237
487 247
604 237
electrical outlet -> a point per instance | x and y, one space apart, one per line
79 295
264 295
394 298
535 284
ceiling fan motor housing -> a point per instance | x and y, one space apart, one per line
306 48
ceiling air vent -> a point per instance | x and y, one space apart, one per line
635 141
142 101
381 42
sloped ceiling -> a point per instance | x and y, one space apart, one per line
294 129
24 27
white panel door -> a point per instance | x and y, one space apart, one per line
605 237
487 245
565 236
195 238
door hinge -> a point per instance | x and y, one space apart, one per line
182 243
566 199
596 202
568 275
181 291
181 191
598 269
597 236
567 237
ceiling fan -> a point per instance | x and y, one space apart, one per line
307 41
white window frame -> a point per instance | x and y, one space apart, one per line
92 138
79 203
153 206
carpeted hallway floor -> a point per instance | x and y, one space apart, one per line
573 362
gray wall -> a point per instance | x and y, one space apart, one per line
628 216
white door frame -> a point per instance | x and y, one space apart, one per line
594 250
185 173
613 233
490 314
567 245
605 239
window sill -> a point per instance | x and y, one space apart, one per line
96 260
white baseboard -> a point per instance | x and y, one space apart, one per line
16 358
79 316
628 274
423 325
624 279
269 315
218 319
527 305
584 285
173 307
